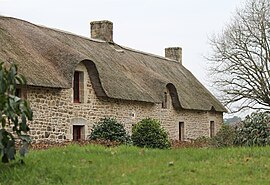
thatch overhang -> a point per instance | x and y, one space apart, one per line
48 58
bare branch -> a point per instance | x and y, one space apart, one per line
240 59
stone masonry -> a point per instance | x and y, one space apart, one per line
55 113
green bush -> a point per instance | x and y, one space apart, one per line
109 129
254 130
148 133
225 136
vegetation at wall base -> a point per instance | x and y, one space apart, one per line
200 142
48 145
225 137
96 164
149 133
109 129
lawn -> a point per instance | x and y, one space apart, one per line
92 164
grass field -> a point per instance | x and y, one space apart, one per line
129 165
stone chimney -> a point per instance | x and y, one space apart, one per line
102 30
174 53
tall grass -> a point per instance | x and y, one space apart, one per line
129 165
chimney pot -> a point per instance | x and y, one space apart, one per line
174 53
102 30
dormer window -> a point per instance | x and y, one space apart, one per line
78 87
165 100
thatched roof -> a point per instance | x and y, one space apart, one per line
48 57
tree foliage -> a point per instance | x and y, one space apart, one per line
14 113
254 131
240 58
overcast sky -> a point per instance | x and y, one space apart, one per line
146 25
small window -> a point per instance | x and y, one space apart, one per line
18 92
78 87
212 128
21 92
181 131
78 132
165 101
133 115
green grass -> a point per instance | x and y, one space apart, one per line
129 165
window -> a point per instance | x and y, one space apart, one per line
18 92
165 101
78 87
78 129
212 128
78 132
133 115
181 131
21 92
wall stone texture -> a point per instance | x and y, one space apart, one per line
55 114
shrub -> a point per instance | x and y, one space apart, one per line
254 130
148 133
109 129
225 136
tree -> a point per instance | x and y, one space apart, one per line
14 113
240 58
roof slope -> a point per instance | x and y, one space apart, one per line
48 57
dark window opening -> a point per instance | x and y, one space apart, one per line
18 92
21 92
165 101
76 87
78 132
212 128
181 131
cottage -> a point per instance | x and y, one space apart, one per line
73 81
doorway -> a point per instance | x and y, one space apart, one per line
78 132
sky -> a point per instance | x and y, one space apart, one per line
146 25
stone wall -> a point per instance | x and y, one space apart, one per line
55 113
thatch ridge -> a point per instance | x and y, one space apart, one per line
146 53
48 57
